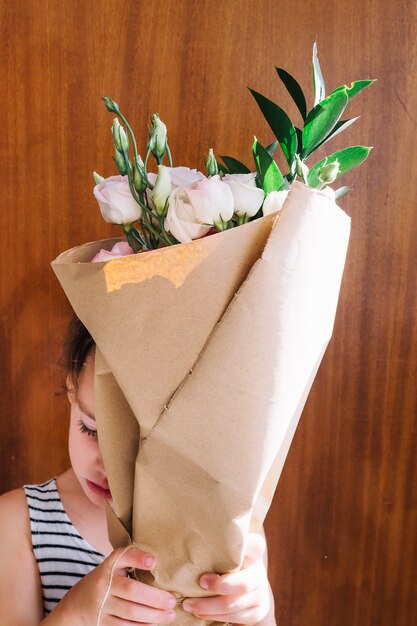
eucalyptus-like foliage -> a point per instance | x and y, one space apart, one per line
319 124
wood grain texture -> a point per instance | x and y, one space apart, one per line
342 529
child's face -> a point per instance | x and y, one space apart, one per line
84 450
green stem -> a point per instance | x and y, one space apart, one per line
169 156
146 161
164 233
131 240
242 219
145 210
130 131
135 148
139 239
221 225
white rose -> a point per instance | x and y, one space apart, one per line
247 196
181 220
274 201
212 200
116 202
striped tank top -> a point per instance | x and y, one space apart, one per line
62 555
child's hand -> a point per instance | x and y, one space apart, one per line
242 597
128 601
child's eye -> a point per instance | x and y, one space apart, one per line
88 431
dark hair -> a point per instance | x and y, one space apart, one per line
77 346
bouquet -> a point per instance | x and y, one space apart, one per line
210 319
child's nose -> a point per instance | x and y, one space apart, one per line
99 463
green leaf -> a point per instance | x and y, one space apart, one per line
322 119
342 191
234 166
280 124
340 127
348 159
294 90
355 87
269 175
271 149
318 81
222 168
299 139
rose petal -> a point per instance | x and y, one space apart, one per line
121 248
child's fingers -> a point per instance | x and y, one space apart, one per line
249 577
254 550
136 592
131 557
249 617
246 609
134 612
218 605
243 581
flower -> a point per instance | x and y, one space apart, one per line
158 138
211 164
121 248
274 201
97 178
139 174
120 162
212 201
162 189
328 173
111 105
301 169
116 202
181 220
121 141
247 196
180 176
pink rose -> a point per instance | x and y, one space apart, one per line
116 202
212 200
180 176
121 248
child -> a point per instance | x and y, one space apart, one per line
56 560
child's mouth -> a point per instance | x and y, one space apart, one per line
98 490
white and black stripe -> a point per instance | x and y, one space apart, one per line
62 555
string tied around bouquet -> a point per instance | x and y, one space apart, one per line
109 584
107 593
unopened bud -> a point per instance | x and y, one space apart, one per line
162 189
211 164
121 141
158 138
120 162
97 178
139 176
301 168
111 105
328 173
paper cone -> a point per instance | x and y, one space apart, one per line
215 363
150 315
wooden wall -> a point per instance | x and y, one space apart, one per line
342 529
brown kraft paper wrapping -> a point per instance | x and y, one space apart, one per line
211 348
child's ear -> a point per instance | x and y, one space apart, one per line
70 389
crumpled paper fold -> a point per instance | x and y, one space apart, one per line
206 353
